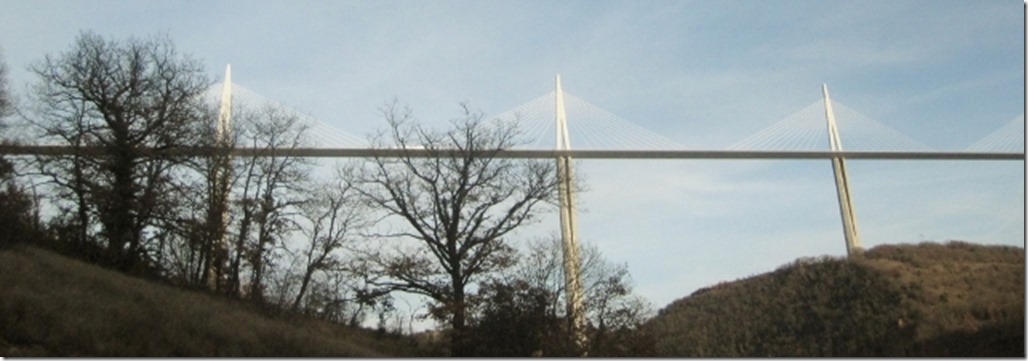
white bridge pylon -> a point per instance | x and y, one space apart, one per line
805 131
842 182
569 225
248 103
593 127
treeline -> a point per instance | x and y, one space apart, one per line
266 230
929 300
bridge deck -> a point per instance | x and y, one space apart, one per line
544 154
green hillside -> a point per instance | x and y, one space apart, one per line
929 299
54 306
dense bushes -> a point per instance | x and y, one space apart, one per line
18 221
822 308
894 301
518 321
964 289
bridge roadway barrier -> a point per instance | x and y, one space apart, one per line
22 150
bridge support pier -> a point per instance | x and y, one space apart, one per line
842 186
569 230
221 172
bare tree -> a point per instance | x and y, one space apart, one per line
458 204
136 100
611 309
268 191
218 176
326 276
17 211
193 241
334 215
604 282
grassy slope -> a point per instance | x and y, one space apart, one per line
924 300
910 300
54 306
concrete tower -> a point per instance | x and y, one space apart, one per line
842 186
569 228
221 173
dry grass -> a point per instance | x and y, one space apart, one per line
54 306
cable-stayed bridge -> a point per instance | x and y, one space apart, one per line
562 126
559 125
598 134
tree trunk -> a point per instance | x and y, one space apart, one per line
121 215
303 287
235 281
216 227
83 204
257 258
459 344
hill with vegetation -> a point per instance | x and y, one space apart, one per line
930 299
936 300
51 305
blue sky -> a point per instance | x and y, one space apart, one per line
705 74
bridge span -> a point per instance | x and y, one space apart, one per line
17 150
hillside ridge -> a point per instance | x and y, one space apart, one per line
929 299
57 306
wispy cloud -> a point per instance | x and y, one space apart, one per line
705 74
